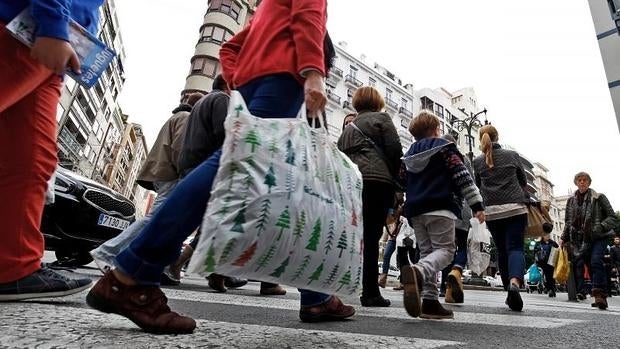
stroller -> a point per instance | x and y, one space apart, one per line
534 281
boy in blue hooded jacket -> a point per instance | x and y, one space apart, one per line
436 183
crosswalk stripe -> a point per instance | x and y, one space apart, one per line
68 327
289 304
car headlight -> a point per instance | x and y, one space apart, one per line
64 185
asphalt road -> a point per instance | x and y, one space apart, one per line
244 319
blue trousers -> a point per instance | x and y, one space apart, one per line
390 247
508 237
159 243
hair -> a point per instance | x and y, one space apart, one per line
547 228
582 175
219 83
423 125
488 136
194 97
344 121
368 99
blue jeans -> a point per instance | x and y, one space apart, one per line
508 236
390 247
598 274
160 242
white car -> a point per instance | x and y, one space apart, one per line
494 281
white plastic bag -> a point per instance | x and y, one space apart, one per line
286 206
553 256
478 247
406 231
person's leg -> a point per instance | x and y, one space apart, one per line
105 254
460 256
29 94
375 213
390 247
578 269
440 232
496 228
598 274
515 228
549 280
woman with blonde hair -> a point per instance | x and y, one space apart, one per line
501 178
371 141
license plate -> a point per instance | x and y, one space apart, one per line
112 222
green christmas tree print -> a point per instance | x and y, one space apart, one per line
239 220
238 109
345 163
276 273
284 222
316 274
345 280
290 153
227 250
352 250
273 147
245 256
270 178
236 131
313 142
342 243
358 184
248 182
343 213
304 159
329 172
302 267
290 183
224 209
314 238
233 169
263 217
337 178
330 237
300 226
210 261
349 185
250 161
358 279
332 276
253 139
266 257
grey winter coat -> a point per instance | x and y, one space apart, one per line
505 182
380 128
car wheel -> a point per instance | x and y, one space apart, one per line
67 257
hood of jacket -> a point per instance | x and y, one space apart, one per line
421 152
182 107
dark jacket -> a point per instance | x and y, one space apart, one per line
437 179
542 250
505 182
380 128
599 219
205 130
161 164
614 251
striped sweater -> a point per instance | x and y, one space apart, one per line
437 179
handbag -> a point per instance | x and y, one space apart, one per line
383 157
536 217
286 206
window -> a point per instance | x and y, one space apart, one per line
439 110
87 150
95 126
205 66
350 93
70 83
353 71
100 135
372 82
403 102
427 103
59 112
216 34
388 93
228 7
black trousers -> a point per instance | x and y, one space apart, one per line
377 198
549 280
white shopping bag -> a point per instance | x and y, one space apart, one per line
553 256
478 247
286 206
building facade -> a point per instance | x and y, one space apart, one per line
560 203
223 19
606 18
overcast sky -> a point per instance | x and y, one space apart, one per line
535 65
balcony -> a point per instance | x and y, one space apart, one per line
405 112
336 73
333 97
351 80
391 104
347 105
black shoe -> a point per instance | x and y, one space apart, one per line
551 294
513 300
442 294
166 279
42 283
432 309
216 282
377 301
233 282
581 296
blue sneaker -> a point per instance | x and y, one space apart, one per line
43 283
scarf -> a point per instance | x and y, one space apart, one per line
582 213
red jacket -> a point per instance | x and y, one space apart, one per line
284 36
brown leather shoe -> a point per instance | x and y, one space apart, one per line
600 298
412 281
331 310
217 282
382 280
273 291
146 306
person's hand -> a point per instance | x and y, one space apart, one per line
314 93
55 54
481 216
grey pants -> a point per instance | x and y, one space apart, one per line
435 235
107 252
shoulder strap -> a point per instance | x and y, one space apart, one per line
377 148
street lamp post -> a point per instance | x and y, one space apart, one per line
468 124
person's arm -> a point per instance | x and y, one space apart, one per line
463 181
51 47
610 220
392 147
218 116
567 222
521 178
229 53
308 27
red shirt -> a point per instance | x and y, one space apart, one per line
284 36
